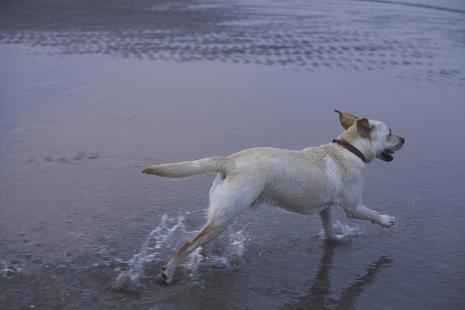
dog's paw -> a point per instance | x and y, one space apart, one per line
386 220
163 278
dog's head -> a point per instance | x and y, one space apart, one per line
374 138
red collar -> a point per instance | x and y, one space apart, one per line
351 148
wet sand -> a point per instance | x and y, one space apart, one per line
91 93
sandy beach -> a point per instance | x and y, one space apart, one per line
91 92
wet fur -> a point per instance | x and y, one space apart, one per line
306 181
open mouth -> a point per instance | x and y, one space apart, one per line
386 155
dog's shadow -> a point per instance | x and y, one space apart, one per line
319 296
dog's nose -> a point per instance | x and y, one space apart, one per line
402 140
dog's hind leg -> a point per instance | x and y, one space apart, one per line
228 199
210 231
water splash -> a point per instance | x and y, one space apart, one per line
163 241
231 250
343 231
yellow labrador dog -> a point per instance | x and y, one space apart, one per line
306 181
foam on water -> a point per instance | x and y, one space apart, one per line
7 271
163 241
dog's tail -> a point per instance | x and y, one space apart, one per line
188 168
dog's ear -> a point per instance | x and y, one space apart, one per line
363 127
346 119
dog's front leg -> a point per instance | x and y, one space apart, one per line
363 213
327 220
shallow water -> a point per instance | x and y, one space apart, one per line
88 99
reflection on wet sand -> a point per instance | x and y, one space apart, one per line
319 293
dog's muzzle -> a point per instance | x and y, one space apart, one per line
386 155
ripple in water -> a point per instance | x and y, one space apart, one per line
166 238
